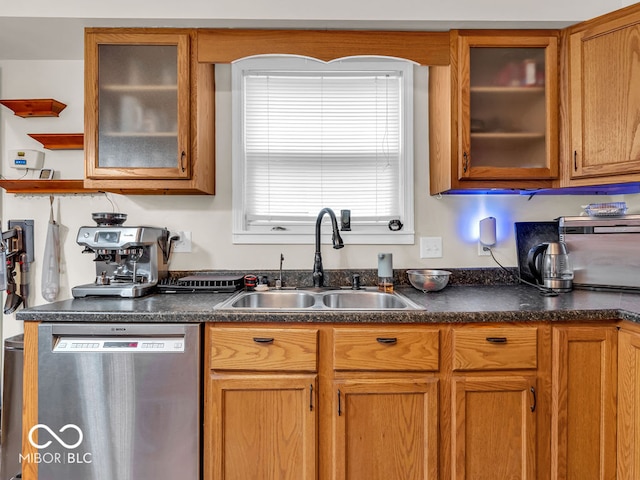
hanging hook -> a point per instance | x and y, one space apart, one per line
51 220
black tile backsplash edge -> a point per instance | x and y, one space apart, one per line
368 277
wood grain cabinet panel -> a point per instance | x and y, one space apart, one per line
149 112
261 427
604 99
495 428
492 125
386 349
495 348
628 404
261 403
385 428
264 349
584 401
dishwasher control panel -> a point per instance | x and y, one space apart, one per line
119 344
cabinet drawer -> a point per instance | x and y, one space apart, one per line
386 349
494 348
264 349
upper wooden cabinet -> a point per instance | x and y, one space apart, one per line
603 82
148 112
493 113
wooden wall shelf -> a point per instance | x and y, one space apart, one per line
44 107
60 141
45 186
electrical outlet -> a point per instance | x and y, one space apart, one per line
430 247
183 244
481 250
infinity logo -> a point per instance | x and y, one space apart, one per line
60 441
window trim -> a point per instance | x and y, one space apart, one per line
304 233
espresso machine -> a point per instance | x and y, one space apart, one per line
129 261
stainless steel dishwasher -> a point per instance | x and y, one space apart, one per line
118 402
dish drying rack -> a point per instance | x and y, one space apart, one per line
201 283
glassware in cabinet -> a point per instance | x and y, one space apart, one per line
507 107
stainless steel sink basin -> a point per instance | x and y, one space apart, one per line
314 299
363 300
275 299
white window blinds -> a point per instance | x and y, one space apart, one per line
322 135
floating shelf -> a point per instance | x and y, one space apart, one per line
60 141
45 107
45 186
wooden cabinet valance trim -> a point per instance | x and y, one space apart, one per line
225 46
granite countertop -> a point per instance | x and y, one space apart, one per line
454 304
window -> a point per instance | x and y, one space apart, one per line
309 134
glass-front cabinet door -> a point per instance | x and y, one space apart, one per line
508 107
137 108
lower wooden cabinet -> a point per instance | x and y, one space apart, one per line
494 422
583 410
385 428
261 427
629 404
472 402
494 401
260 411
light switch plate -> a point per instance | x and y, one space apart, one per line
430 247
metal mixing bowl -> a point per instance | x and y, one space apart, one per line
429 280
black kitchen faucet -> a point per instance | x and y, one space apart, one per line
318 271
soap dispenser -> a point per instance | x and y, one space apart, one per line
385 272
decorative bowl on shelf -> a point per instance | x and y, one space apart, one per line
428 280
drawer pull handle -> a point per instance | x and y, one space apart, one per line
497 339
387 340
263 340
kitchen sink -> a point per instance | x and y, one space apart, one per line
274 299
318 299
363 300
